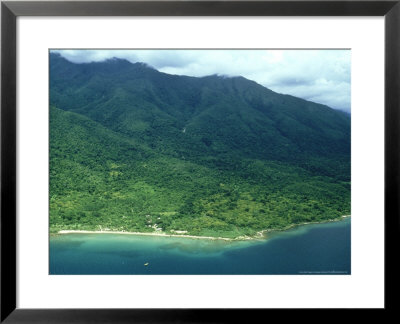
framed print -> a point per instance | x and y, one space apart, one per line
175 161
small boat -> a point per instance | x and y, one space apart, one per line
146 264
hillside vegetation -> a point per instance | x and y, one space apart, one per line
138 150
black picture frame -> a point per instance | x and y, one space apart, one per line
10 10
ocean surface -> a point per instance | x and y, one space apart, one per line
308 249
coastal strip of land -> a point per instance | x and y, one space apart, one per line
259 235
146 234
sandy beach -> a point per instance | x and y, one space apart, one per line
144 234
258 235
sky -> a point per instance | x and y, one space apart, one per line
322 76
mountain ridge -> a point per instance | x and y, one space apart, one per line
199 101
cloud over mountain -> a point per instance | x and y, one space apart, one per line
322 76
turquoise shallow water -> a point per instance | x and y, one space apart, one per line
309 249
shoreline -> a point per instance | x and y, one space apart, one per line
338 219
259 235
143 234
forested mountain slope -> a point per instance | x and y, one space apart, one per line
131 147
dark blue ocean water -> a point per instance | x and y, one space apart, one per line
308 249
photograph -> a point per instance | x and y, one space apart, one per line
199 162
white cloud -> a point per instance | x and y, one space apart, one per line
321 76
